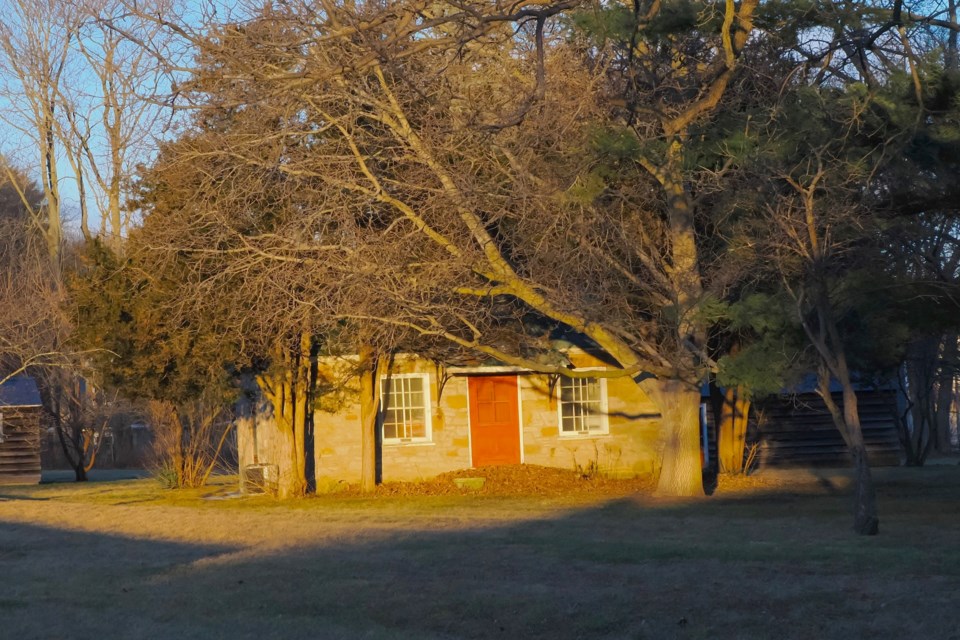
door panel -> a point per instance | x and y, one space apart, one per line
494 420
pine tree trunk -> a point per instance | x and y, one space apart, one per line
741 422
732 430
681 473
865 519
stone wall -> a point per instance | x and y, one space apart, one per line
628 449
337 429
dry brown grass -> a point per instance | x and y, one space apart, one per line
772 557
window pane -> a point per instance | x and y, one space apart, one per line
593 391
405 408
580 405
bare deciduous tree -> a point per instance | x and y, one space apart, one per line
189 440
32 329
84 93
461 141
437 167
36 40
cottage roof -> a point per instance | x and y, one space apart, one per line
809 383
19 391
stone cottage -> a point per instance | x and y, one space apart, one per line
436 419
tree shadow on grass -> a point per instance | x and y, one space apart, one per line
57 476
773 566
17 496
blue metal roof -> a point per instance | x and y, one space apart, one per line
19 391
809 383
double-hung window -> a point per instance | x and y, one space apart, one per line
405 402
583 406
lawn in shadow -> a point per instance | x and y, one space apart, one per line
781 565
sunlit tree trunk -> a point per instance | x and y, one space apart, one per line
370 366
288 390
732 430
681 472
679 405
51 222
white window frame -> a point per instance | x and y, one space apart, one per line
427 409
604 427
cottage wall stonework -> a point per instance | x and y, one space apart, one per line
628 449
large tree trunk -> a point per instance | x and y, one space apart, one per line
288 482
732 430
292 481
288 391
681 472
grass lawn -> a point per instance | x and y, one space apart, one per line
127 559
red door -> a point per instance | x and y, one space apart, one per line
494 420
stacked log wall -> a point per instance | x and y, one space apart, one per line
799 431
20 449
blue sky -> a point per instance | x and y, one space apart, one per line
18 135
